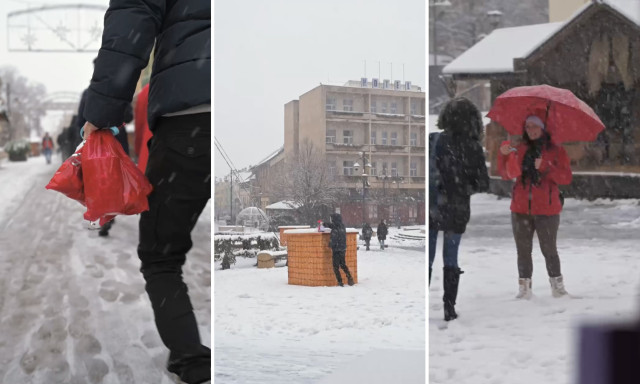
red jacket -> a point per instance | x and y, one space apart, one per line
544 198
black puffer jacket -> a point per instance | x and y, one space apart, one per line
338 240
461 166
382 231
181 76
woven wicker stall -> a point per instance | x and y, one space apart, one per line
309 257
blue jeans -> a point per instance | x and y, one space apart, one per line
449 248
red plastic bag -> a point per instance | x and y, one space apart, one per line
68 178
113 185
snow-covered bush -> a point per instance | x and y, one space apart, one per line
18 150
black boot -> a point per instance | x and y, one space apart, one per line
450 283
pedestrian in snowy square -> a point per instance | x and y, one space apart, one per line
47 147
367 232
457 170
539 166
338 244
382 233
179 165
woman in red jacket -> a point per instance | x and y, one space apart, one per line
539 167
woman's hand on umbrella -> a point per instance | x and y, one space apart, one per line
538 162
506 149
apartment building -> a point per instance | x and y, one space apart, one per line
378 123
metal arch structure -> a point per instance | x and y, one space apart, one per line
62 101
56 28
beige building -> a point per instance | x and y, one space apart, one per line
561 10
386 121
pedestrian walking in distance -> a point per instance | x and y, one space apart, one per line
367 232
382 233
47 147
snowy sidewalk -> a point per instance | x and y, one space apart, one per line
270 332
73 309
497 338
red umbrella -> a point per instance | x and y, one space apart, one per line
566 117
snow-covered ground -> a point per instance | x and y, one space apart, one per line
267 331
497 338
73 309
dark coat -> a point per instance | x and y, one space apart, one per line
338 240
181 76
460 162
382 231
367 232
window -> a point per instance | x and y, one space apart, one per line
347 105
394 138
413 170
394 107
413 212
373 171
374 107
347 168
331 104
331 136
414 139
384 108
373 211
347 137
373 138
384 138
332 168
384 168
394 169
414 108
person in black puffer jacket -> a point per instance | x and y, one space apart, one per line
461 171
179 165
338 244
382 233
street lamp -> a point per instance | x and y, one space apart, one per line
434 4
364 176
397 180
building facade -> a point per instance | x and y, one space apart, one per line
371 133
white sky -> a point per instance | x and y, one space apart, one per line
68 71
267 53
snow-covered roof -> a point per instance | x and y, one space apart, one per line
271 156
283 205
495 53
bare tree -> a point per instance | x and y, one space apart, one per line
24 101
306 182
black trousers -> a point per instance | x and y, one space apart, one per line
338 258
179 168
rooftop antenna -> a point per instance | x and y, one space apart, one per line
365 68
403 72
379 70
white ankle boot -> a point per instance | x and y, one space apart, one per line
524 289
557 287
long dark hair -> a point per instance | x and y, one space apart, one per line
462 118
534 151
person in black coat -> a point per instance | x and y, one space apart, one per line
382 233
179 165
460 171
338 244
367 232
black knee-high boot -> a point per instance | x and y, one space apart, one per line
450 283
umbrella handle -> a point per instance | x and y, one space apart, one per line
546 116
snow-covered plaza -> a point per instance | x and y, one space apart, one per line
73 309
267 331
498 339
